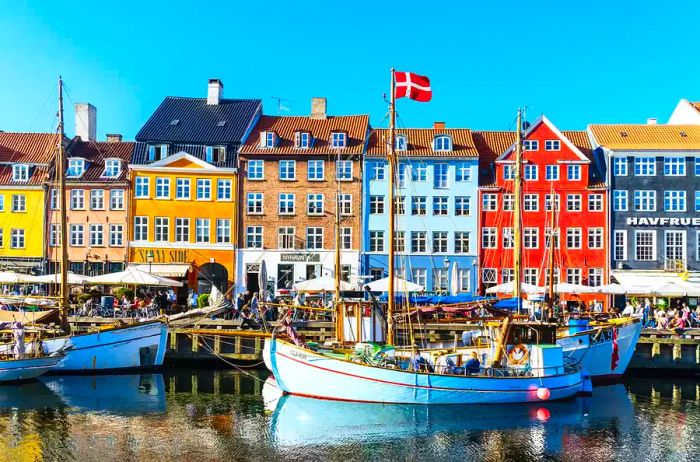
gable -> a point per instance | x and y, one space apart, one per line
184 163
542 130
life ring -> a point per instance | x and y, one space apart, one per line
518 355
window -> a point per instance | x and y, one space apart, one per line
464 279
214 154
645 245
286 237
54 198
116 199
573 275
530 276
113 168
439 241
461 242
549 234
202 229
489 202
508 172
223 230
116 235
419 242
508 239
488 238
645 201
162 188
315 170
140 228
223 189
268 139
376 241
595 277
620 166
400 241
20 172
19 203
674 201
338 139
440 205
54 235
77 199
346 238
531 145
343 170
531 202
254 204
401 143
531 238
573 238
162 229
595 238
419 276
400 205
508 202
142 186
573 172
76 168
203 189
419 171
442 143
644 166
288 170
595 202
463 172
302 140
440 176
17 239
76 235
314 238
552 145
530 173
402 175
96 236
254 237
157 152
462 206
439 279
286 204
97 199
182 230
551 172
697 201
674 166
256 170
418 205
573 202
556 276
620 243
182 188
314 204
620 200
675 248
376 171
552 200
489 275
345 204
376 205
697 166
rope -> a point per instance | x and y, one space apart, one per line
235 366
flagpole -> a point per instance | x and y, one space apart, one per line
392 171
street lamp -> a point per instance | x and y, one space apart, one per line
149 258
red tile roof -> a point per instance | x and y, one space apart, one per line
420 142
38 175
27 148
95 154
320 129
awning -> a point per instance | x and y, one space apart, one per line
168 270
657 283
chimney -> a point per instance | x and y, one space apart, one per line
651 121
114 138
215 91
318 108
86 121
438 125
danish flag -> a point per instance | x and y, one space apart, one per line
414 86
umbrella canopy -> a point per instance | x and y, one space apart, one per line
134 277
567 288
670 289
454 279
262 277
509 287
73 279
10 277
612 288
324 283
400 285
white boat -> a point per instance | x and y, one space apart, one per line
13 370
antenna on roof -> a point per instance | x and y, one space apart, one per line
281 107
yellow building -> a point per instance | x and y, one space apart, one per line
24 171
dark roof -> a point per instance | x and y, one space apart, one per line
95 154
27 148
420 142
199 122
140 155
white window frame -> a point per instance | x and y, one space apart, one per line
463 172
620 166
622 233
224 189
679 198
573 172
531 238
531 145
141 228
116 235
77 199
441 175
286 204
20 173
254 237
674 166
344 170
313 166
489 235
552 145
97 235
182 229
142 187
223 230
653 234
204 186
97 199
202 230
183 189
375 241
551 172
315 198
161 229
113 168
489 202
255 170
116 199
646 164
645 200
287 170
316 244
595 202
574 233
162 188
574 202
620 200
531 172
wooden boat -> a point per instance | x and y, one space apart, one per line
14 370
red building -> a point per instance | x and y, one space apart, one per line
558 170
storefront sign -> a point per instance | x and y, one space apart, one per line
301 257
162 255
662 221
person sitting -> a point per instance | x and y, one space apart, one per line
695 317
678 324
444 364
420 364
662 322
473 365
628 311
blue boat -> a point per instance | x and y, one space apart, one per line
14 370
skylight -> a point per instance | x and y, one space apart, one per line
174 121
221 123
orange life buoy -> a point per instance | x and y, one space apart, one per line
518 355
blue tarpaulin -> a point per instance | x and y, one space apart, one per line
508 304
438 299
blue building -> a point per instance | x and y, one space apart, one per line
436 208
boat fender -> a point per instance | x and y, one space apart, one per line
518 355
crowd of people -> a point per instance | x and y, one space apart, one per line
676 318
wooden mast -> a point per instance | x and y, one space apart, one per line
392 172
517 213
337 239
61 171
552 233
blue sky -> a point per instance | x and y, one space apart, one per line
576 62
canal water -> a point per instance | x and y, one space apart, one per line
204 415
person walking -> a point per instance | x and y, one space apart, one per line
193 299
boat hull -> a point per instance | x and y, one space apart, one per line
15 370
301 372
140 346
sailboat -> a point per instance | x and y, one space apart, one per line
367 373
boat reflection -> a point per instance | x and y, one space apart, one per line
29 395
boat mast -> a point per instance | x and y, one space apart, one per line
61 171
517 213
552 232
392 171
337 239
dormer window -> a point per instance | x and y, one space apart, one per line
401 143
302 140
157 152
76 168
339 140
268 139
216 154
442 143
20 172
113 168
